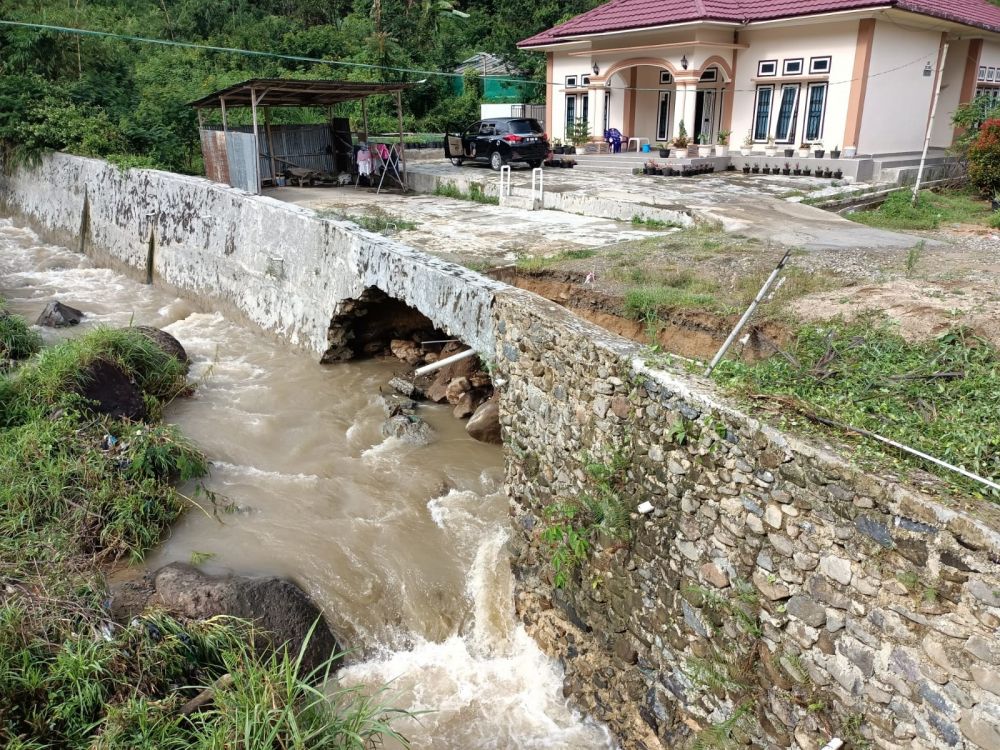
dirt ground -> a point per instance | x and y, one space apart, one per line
951 279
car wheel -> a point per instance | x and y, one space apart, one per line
456 161
496 161
534 163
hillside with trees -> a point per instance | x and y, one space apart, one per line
126 100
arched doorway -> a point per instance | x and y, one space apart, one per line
640 99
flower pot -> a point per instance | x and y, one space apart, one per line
770 152
664 153
658 172
828 173
796 172
850 152
570 164
835 153
730 167
645 170
789 153
755 170
803 153
838 174
721 150
704 151
786 172
807 173
819 153
746 170
581 150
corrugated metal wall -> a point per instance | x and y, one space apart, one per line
213 151
241 152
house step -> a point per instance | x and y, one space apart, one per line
524 202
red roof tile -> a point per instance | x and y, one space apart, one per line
618 15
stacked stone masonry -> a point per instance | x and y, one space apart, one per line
774 590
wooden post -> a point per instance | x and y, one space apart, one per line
256 140
270 144
402 160
222 101
364 116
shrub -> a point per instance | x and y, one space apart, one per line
984 158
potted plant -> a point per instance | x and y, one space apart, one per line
664 150
803 150
557 147
818 149
747 146
797 170
789 153
704 147
580 134
722 143
838 174
828 173
835 152
755 169
770 149
807 172
681 141
787 170
850 152
649 167
569 163
746 169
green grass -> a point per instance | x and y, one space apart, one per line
649 293
654 224
377 220
932 209
936 396
80 491
17 340
475 194
537 263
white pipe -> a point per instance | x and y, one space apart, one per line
746 316
445 362
930 121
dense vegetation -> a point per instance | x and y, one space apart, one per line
931 210
127 100
937 396
81 490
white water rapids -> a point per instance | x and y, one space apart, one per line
402 546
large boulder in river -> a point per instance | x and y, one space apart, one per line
282 612
110 390
408 427
58 315
484 425
167 343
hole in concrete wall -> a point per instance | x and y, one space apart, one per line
367 326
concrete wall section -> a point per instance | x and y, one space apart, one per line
775 591
276 264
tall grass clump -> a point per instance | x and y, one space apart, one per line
938 396
17 340
80 490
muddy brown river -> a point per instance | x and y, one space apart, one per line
402 546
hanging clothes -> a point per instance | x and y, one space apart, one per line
364 162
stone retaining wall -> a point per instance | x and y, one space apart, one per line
275 264
774 590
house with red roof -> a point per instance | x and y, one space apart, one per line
856 74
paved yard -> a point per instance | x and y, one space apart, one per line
473 234
751 205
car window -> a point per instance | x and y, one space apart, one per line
473 129
487 128
526 126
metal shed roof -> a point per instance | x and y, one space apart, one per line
292 92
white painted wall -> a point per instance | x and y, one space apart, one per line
837 39
898 98
951 91
562 66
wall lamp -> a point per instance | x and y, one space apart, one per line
597 70
684 62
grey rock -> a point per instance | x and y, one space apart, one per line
58 315
989 595
807 610
987 679
874 530
837 568
409 428
484 424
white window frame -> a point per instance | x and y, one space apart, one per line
990 74
815 62
666 77
709 76
822 113
982 73
571 82
761 72
792 133
668 97
770 113
785 63
584 80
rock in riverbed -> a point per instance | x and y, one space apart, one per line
275 605
167 343
111 391
58 315
409 428
484 425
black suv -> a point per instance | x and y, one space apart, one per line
499 141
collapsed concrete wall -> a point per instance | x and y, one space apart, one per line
775 594
277 265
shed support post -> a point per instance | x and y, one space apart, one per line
402 160
270 144
364 116
256 140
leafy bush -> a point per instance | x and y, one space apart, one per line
17 340
984 158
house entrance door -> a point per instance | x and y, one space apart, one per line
704 115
